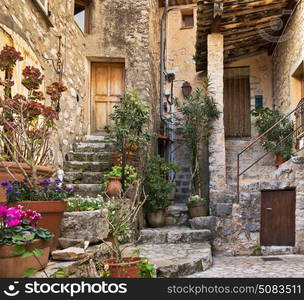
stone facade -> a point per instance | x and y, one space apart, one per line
28 22
126 31
287 57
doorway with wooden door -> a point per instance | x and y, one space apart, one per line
107 88
278 218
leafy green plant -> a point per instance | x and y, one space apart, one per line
157 185
257 251
85 204
195 122
130 130
146 270
197 198
265 119
130 175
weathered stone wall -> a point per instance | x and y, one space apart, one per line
217 153
26 20
288 55
127 31
238 229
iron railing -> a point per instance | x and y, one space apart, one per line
299 131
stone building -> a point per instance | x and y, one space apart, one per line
253 53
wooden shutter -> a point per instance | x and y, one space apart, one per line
237 102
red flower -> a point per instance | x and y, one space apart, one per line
8 58
32 78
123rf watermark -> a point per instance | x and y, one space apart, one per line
70 289
258 289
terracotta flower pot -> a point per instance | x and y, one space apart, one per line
42 172
198 209
157 218
14 266
114 187
117 158
279 160
52 214
125 269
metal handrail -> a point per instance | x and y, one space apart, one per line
300 106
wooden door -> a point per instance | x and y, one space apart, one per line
278 218
237 102
107 90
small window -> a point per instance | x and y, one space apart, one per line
187 18
81 14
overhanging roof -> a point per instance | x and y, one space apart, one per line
249 27
177 2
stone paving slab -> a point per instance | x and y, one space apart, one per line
290 266
174 260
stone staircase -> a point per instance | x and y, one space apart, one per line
176 251
85 166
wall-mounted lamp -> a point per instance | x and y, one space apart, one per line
186 89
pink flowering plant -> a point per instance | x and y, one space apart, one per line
26 122
19 226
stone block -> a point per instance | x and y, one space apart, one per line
204 223
223 209
252 226
89 225
69 254
64 243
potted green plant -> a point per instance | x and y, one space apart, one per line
195 119
267 118
112 180
121 215
24 247
47 197
130 129
158 186
197 206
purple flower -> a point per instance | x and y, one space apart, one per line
70 188
46 181
9 189
58 181
5 183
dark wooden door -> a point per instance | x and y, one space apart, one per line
278 218
237 102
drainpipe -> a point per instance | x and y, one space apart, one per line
162 60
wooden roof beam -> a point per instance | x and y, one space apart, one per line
218 8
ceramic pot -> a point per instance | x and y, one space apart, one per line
114 187
279 160
125 269
51 213
14 266
157 218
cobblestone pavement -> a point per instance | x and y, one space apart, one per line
254 267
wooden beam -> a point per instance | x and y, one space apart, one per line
217 16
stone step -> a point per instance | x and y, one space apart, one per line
176 260
84 177
83 166
89 156
173 235
93 147
98 138
91 190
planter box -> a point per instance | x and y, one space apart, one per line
13 266
85 225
